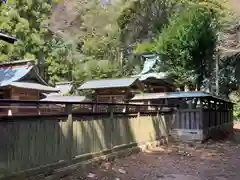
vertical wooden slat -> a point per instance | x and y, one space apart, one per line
192 119
201 119
69 127
188 119
182 120
40 141
197 115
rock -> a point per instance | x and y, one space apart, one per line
122 171
91 175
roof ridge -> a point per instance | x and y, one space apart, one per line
63 82
18 62
112 79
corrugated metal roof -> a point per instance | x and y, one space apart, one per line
59 98
35 86
172 95
108 83
11 74
149 96
188 94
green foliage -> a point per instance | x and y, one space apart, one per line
142 19
109 34
28 21
235 97
189 42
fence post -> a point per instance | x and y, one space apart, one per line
201 119
38 109
69 131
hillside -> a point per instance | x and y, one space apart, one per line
235 5
66 16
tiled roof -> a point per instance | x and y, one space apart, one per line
11 74
108 83
7 38
15 74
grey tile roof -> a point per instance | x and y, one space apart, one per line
108 83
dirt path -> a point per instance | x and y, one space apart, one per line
213 161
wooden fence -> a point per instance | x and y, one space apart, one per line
187 125
26 108
33 141
188 119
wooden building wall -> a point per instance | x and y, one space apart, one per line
21 94
112 94
24 94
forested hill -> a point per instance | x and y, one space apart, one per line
108 37
79 40
65 13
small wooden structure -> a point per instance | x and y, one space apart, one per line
123 89
19 80
113 90
198 116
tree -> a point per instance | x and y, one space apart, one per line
28 21
189 42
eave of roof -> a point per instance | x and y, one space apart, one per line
174 95
18 62
33 86
7 38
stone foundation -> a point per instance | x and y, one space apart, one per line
186 134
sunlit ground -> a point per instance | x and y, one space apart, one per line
213 160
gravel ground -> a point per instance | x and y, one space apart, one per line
213 160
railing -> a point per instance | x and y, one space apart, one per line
29 108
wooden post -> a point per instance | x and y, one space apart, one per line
38 109
94 108
69 131
201 121
217 77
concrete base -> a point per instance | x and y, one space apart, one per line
201 135
186 134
